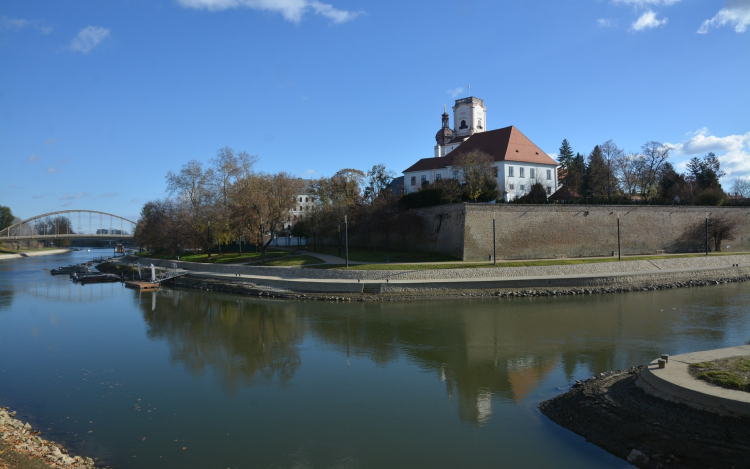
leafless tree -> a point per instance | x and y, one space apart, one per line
741 187
476 170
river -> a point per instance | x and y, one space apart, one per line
191 379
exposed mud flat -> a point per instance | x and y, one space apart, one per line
610 411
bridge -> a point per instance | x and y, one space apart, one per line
70 224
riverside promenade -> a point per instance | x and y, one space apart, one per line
622 274
47 252
674 383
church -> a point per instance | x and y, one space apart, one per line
517 161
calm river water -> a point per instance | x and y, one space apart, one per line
188 379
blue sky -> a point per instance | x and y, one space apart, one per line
99 99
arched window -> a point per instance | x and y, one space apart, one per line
463 124
479 124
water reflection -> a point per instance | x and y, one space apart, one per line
480 350
237 340
6 299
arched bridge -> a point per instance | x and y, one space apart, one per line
70 224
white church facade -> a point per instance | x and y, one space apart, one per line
517 162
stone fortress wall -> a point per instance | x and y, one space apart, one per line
549 231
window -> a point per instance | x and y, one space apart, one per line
511 186
549 174
520 172
523 188
305 199
494 171
549 190
531 173
300 199
423 179
510 171
413 180
438 176
463 124
455 175
479 124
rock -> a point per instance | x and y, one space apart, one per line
637 458
27 426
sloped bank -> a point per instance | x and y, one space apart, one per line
244 286
612 412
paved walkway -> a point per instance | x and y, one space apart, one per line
675 383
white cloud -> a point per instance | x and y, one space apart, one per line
735 13
34 157
291 10
733 150
52 169
20 23
88 38
109 195
605 22
309 172
645 3
455 92
647 21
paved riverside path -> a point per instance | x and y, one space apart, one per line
674 382
468 278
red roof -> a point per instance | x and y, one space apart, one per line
507 144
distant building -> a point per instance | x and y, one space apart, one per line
104 231
517 161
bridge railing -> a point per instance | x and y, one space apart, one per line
70 224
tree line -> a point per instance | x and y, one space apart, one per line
609 173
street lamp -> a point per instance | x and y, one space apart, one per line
346 236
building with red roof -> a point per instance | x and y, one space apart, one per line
517 161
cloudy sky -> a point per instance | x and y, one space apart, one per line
99 99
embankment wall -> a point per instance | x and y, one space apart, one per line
549 231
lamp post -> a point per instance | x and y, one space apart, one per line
339 239
261 239
706 233
494 241
346 237
209 239
619 249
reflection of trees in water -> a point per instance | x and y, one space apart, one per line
506 348
481 350
237 339
6 299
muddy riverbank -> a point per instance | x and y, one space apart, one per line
610 411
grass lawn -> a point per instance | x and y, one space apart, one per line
730 373
501 264
290 261
225 258
366 255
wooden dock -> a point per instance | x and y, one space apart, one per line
139 285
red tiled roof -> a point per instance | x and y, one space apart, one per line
565 193
507 144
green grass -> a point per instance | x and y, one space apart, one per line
225 258
501 264
289 261
366 255
730 373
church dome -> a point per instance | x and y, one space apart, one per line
444 136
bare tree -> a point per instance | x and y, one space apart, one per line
653 158
627 169
741 187
476 170
192 186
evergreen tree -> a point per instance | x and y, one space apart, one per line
706 171
599 175
576 174
565 157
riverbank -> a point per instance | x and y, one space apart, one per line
614 413
48 252
22 448
556 280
